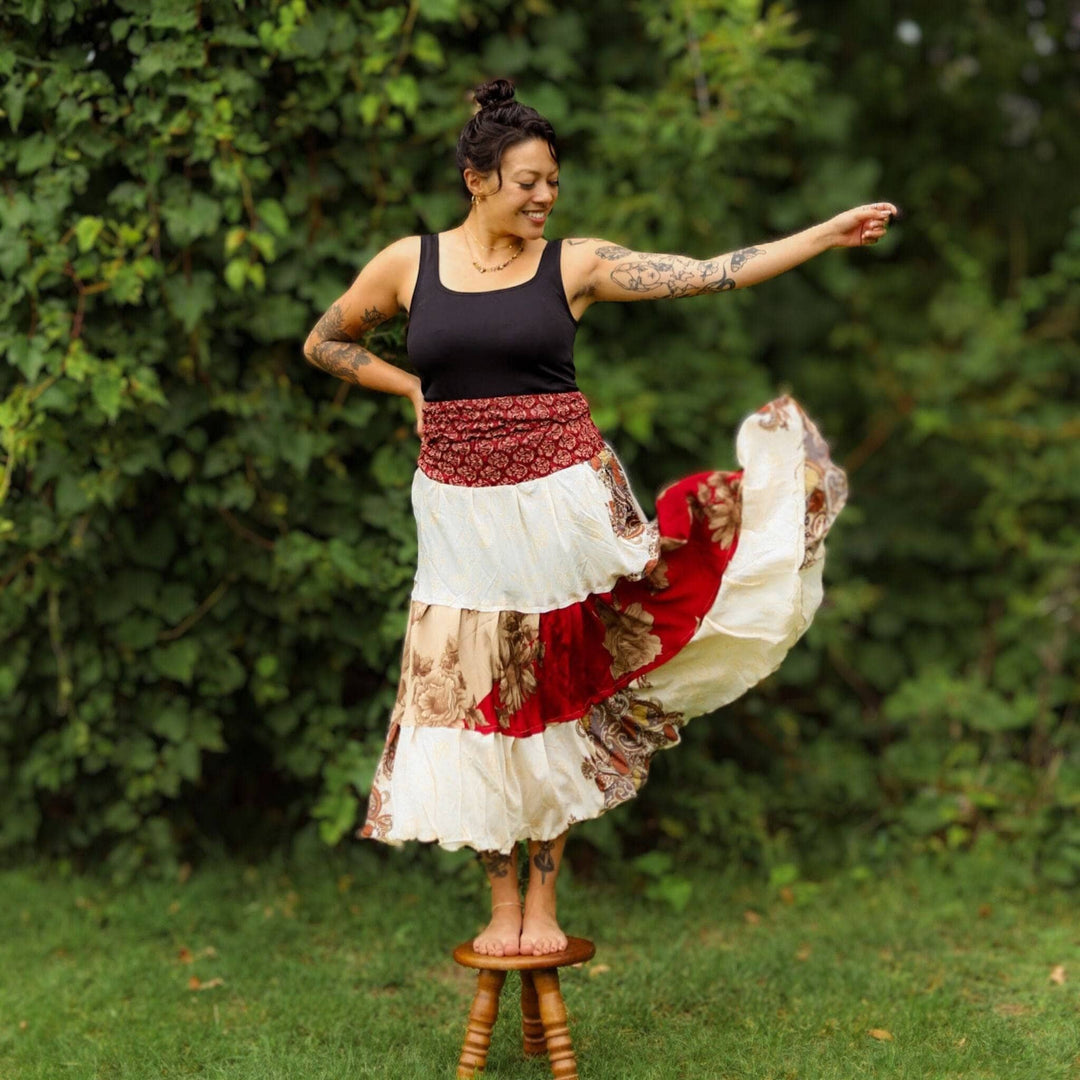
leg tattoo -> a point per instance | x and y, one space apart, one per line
496 864
543 860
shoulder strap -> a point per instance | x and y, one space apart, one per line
550 267
429 265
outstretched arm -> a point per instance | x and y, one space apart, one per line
611 272
371 299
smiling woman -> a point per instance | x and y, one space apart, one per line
557 639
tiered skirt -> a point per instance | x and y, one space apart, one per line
557 639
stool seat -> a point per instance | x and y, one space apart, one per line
544 1022
577 951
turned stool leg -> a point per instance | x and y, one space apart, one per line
485 1008
556 1030
531 1026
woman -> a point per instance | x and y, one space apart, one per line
556 638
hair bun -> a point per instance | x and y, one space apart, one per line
496 92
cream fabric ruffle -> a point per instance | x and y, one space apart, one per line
529 547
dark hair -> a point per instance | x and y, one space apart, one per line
500 123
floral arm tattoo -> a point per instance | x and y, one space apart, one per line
673 275
336 351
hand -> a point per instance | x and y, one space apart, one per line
863 225
417 399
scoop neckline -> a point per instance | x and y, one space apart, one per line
483 292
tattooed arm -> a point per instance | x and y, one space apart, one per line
377 293
598 270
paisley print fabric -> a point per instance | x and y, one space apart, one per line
478 442
512 724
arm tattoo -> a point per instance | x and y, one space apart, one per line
612 252
673 275
743 256
373 316
721 284
496 865
336 352
329 327
543 860
670 275
340 358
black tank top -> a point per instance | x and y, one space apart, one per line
516 340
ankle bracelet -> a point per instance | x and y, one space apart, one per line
507 903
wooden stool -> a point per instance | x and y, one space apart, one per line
543 1013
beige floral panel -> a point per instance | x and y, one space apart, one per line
452 659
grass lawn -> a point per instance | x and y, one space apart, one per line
339 968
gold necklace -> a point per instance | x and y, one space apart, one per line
489 269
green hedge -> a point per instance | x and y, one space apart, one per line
207 545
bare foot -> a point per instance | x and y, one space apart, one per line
500 936
540 932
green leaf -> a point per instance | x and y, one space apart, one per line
126 284
187 760
138 631
233 239
223 674
14 101
426 48
70 496
28 354
176 601
121 817
653 863
177 660
672 890
439 10
188 218
271 212
266 666
14 254
236 274
190 300
155 547
404 92
390 467
171 722
106 388
368 108
181 464
87 231
35 153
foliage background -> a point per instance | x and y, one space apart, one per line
206 544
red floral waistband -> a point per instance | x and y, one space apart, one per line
481 442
